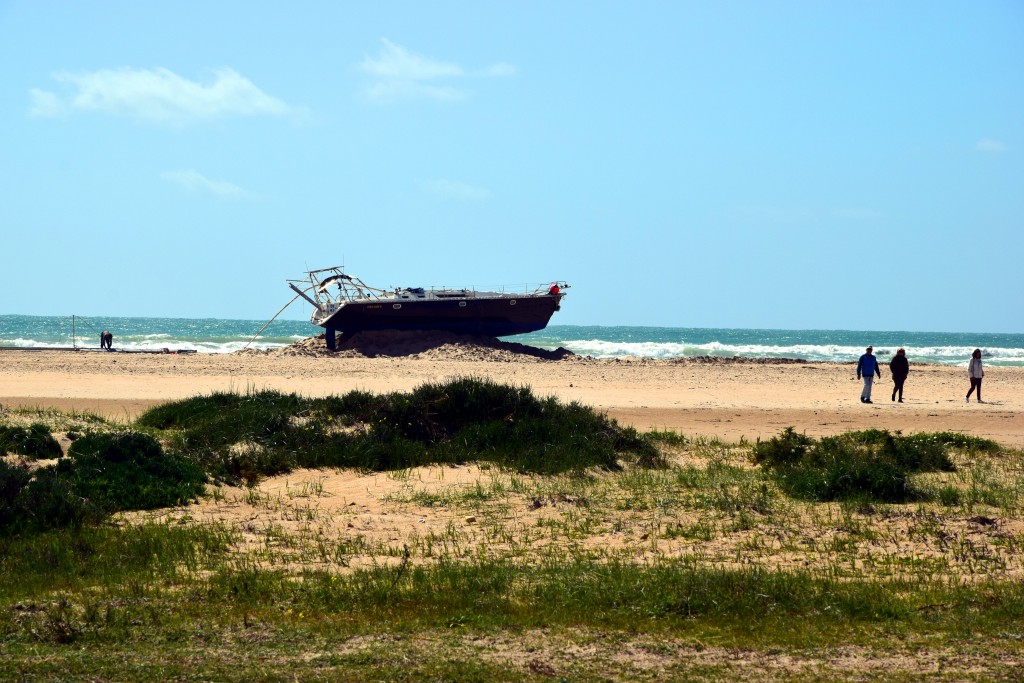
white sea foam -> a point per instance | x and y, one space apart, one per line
149 345
942 355
34 344
607 349
227 336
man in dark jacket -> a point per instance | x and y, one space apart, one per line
867 366
899 368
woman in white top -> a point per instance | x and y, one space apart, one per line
975 373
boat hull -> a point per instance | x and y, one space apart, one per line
496 317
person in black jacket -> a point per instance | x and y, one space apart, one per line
899 366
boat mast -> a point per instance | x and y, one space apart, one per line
303 295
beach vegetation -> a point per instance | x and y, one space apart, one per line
872 464
476 570
264 433
129 471
666 437
34 441
104 473
14 477
127 603
56 420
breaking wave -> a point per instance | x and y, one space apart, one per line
229 336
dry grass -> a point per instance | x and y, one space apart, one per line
710 505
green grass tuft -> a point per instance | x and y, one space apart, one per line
462 420
105 473
873 465
34 441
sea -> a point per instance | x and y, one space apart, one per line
215 335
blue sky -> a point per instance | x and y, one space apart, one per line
798 165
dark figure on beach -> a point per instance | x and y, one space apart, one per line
867 366
106 340
899 368
975 373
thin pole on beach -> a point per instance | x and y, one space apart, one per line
74 344
270 321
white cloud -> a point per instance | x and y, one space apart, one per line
402 75
395 62
456 190
194 181
991 146
45 105
160 95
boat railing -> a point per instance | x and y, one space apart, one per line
525 289
328 292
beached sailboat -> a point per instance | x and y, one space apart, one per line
343 303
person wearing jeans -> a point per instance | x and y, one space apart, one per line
867 366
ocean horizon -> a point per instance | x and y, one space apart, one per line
217 335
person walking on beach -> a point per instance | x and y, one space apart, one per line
975 373
867 366
899 368
106 340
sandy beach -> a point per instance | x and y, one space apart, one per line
339 521
731 399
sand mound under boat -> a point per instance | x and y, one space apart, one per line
427 345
